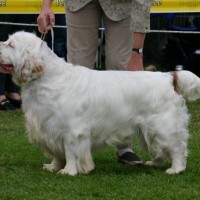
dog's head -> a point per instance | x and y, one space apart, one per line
20 55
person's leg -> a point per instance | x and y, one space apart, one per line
82 34
118 43
4 102
2 86
118 49
13 92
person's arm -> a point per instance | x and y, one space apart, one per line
46 18
140 24
136 61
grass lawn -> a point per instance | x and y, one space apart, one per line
22 177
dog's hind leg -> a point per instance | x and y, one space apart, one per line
155 162
178 163
158 158
55 165
179 159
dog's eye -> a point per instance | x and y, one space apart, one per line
10 45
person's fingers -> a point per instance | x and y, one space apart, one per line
51 19
41 21
45 21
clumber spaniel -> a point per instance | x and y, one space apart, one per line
71 109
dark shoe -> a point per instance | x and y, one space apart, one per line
130 158
14 102
6 105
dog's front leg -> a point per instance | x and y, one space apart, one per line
78 155
70 167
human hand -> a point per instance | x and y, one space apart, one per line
45 20
136 62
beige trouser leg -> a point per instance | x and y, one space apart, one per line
118 43
82 34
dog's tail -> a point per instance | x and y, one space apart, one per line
186 84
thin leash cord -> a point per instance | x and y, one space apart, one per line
43 35
52 39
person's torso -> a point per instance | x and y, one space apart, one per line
116 10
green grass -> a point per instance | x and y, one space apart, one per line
22 177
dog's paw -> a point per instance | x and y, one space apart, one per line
171 171
67 171
149 163
48 167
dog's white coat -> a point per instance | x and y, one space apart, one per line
71 109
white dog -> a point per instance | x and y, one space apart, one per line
71 109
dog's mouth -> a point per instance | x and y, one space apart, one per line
6 68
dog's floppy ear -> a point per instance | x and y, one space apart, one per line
31 70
